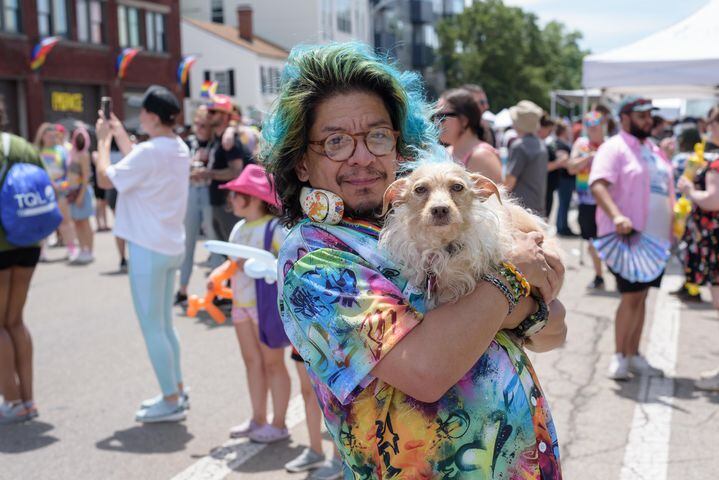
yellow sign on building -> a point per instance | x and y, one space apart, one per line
66 102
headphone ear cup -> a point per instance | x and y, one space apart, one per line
322 206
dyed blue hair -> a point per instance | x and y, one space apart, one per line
314 74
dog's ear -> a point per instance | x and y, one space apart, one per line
484 187
394 193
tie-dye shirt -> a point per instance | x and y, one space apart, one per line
344 306
585 147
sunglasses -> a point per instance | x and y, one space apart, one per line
440 117
340 146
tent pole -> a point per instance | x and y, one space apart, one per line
553 105
585 102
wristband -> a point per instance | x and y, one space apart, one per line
512 298
535 322
517 282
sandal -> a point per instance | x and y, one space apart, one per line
269 434
244 429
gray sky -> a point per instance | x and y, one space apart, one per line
607 24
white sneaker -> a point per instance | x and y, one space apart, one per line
709 381
618 367
638 365
82 257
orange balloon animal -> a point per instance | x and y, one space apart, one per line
195 303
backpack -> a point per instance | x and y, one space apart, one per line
272 331
28 207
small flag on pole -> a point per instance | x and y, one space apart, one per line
183 70
124 59
41 51
209 89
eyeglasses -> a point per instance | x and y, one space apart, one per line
440 117
341 146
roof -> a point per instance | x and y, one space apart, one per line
679 61
259 45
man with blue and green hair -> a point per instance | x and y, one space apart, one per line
406 393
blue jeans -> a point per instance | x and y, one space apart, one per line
564 191
152 280
199 214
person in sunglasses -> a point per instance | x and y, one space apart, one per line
460 123
405 392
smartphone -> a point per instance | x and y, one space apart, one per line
106 106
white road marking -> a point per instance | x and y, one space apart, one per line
224 459
647 453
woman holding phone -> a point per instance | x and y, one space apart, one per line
152 180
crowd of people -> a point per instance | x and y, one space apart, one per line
342 123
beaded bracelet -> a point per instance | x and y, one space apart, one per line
512 298
535 322
508 270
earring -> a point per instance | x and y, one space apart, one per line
322 206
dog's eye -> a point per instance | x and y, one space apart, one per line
420 189
457 187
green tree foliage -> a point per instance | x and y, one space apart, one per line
504 49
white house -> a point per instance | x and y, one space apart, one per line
289 22
246 66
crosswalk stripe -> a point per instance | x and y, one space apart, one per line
224 459
647 452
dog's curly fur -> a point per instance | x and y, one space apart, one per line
458 248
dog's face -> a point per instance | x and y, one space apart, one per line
439 198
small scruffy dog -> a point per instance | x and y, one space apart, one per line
448 227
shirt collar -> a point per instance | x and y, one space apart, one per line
631 140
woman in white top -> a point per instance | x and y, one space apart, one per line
152 180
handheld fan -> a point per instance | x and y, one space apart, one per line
637 257
260 263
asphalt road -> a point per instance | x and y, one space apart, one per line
92 370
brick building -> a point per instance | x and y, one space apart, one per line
81 68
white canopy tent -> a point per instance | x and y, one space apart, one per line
681 61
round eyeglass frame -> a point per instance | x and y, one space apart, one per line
354 136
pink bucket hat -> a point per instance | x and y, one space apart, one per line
254 181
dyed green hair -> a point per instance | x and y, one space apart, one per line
316 73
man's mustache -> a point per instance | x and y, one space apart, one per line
362 173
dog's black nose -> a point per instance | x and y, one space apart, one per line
440 211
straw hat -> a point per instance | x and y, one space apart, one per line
525 116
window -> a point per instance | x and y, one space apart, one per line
155 31
217 11
225 81
344 16
51 17
269 80
90 27
10 16
128 26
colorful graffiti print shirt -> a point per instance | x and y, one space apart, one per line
344 306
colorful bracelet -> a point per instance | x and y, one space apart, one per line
512 298
535 322
514 271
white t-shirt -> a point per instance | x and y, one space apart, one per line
252 234
152 182
660 216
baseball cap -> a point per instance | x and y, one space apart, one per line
220 103
635 104
160 101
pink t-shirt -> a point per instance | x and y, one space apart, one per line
619 162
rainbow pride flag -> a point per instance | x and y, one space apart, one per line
124 59
41 51
208 90
183 70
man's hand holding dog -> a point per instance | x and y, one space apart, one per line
542 269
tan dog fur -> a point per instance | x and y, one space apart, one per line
457 248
